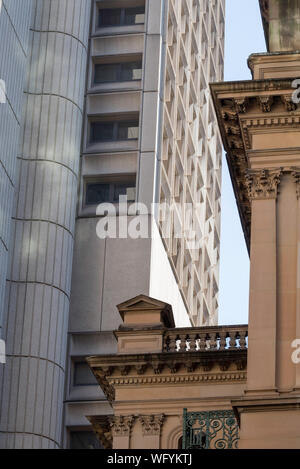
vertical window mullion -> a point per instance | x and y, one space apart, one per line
119 74
115 136
122 16
111 192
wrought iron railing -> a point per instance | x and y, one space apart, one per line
216 429
206 339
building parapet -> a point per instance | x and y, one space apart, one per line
152 353
209 339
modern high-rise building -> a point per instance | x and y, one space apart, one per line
115 103
14 33
227 387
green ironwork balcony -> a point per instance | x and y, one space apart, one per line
215 429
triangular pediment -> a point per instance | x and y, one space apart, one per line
142 302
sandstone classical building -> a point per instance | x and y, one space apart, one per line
213 387
105 98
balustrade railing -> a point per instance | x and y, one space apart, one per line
206 339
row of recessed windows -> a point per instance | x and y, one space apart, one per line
110 190
121 16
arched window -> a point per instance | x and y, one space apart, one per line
201 441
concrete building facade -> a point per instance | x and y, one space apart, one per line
39 274
213 387
14 34
106 99
149 73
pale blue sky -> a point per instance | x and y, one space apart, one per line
244 35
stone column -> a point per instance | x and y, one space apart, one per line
270 410
121 431
273 282
296 176
286 282
151 431
262 189
38 286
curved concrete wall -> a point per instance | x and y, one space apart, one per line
14 33
40 272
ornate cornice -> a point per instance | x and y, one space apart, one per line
265 103
288 102
264 7
231 376
113 371
102 429
244 108
263 184
151 424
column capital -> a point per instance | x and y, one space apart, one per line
121 425
263 183
151 424
296 177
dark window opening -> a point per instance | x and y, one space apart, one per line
98 192
134 15
121 16
114 131
110 17
114 72
201 441
84 440
83 375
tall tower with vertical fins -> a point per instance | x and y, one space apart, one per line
106 98
39 275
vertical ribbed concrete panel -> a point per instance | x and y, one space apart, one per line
40 271
14 34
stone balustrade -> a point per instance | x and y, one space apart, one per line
213 338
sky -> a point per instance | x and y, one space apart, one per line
243 36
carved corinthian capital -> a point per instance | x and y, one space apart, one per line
121 425
263 183
151 424
296 177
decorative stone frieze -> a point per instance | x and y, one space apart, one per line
205 376
241 104
212 361
151 424
265 103
263 184
246 112
101 377
101 426
288 102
